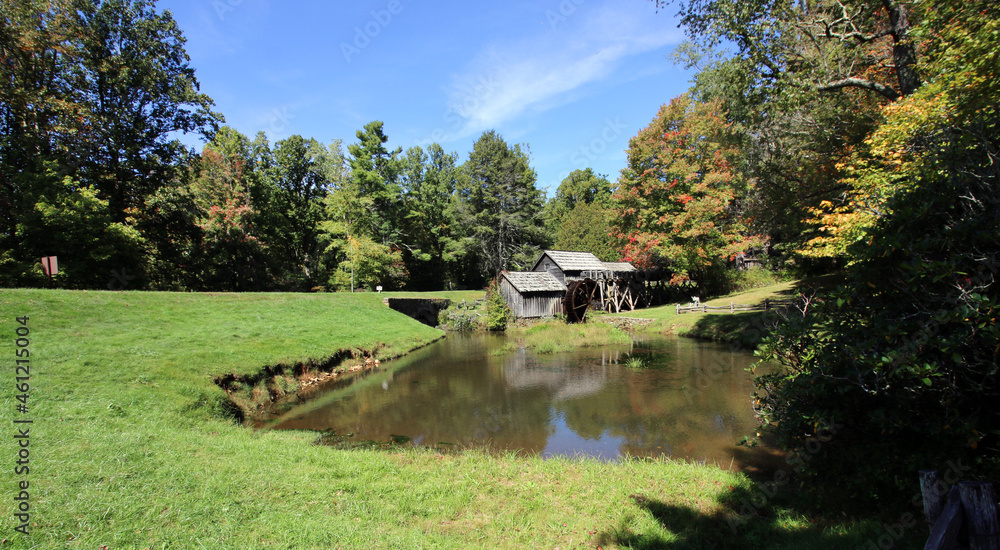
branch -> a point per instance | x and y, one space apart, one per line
851 31
852 82
756 54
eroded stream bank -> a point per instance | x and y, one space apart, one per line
259 397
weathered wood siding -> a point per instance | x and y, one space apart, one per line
531 304
545 263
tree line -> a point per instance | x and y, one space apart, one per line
94 95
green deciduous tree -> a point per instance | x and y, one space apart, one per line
140 91
587 228
361 261
40 112
579 214
903 357
819 45
431 233
169 226
95 92
580 186
299 175
74 224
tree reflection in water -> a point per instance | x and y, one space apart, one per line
692 401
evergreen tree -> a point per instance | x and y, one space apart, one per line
501 207
375 172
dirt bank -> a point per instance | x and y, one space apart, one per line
259 397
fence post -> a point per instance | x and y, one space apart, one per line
933 496
980 506
945 533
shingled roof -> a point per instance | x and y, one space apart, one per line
533 281
618 267
572 261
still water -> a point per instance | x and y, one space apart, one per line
690 401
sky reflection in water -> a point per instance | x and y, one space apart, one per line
692 401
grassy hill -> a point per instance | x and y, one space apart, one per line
127 451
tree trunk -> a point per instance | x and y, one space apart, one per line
904 53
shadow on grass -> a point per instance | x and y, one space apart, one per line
742 330
754 517
820 284
745 330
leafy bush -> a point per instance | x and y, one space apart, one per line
894 371
498 313
459 320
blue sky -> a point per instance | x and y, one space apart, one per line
572 79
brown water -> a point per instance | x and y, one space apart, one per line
691 401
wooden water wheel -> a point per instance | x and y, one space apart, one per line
577 299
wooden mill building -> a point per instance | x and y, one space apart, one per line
532 294
562 280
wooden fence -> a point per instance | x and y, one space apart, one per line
766 305
968 516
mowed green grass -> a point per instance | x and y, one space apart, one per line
126 453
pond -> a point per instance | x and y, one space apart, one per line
690 401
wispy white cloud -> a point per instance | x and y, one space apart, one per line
222 28
548 69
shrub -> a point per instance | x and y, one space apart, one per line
498 313
893 372
459 320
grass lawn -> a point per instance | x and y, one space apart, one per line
126 452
